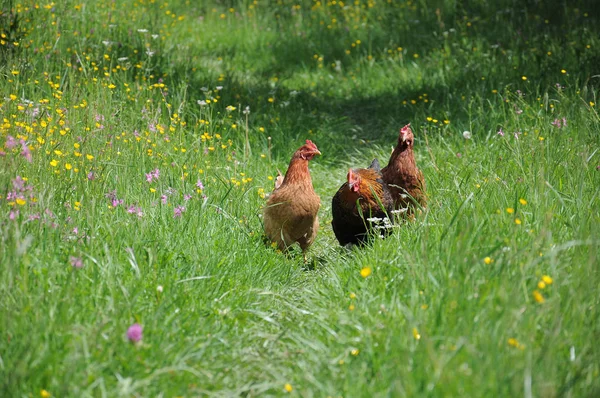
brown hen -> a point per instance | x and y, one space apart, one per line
406 181
290 215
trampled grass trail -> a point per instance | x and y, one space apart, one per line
138 141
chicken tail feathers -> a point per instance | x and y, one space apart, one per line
375 165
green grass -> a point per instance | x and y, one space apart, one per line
450 307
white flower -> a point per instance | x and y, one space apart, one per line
467 135
143 30
159 288
219 88
201 102
230 108
246 110
155 37
122 59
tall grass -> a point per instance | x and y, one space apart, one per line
128 194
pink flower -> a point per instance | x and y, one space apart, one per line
177 211
187 197
199 185
91 176
76 262
10 142
134 333
163 199
500 132
25 152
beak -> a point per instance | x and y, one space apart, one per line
317 152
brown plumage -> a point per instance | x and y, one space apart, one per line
405 180
290 215
364 196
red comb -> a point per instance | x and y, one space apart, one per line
311 144
405 128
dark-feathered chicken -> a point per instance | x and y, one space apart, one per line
363 198
406 182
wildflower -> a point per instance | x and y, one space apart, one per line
500 132
187 197
541 285
134 333
547 280
510 210
515 343
538 296
177 211
288 387
487 260
163 199
416 334
76 262
563 71
91 176
365 272
25 152
230 108
523 201
518 221
199 185
467 135
524 78
45 394
159 288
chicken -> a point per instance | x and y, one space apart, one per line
290 215
406 182
362 198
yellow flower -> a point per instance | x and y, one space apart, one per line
523 201
416 334
355 352
541 285
547 280
271 100
54 163
288 387
366 271
20 201
488 260
68 166
152 190
89 157
111 86
352 296
524 77
592 103
563 71
538 296
518 221
510 210
515 343
45 394
351 307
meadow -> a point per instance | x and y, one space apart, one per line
138 140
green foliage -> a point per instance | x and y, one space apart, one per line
138 140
